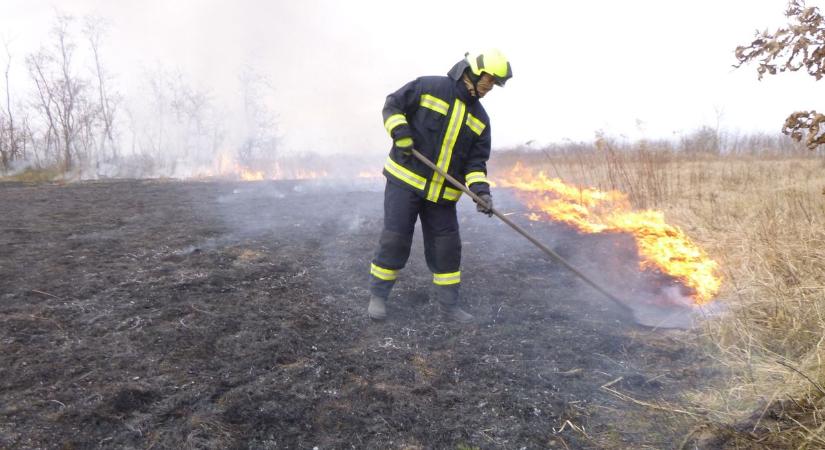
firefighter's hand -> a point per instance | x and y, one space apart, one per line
405 144
488 207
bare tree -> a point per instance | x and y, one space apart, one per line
190 107
156 138
95 29
28 138
703 140
61 97
800 45
4 150
68 86
6 131
45 101
260 139
184 129
10 145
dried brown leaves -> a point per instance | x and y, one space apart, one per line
800 122
800 45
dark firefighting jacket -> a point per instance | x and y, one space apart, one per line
448 126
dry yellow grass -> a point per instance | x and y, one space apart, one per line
763 219
35 176
768 231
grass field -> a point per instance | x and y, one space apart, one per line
762 217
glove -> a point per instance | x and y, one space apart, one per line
488 209
405 144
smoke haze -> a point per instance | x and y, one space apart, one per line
577 68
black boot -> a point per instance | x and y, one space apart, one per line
448 299
454 313
377 310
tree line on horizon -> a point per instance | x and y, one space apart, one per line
71 116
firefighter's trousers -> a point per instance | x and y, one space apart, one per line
442 243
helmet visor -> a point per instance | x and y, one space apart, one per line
500 80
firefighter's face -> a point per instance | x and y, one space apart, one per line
485 84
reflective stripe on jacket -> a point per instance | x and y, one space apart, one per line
448 126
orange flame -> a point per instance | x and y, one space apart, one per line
251 175
661 246
226 166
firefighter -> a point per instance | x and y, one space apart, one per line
443 119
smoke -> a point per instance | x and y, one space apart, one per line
339 221
190 93
671 308
328 67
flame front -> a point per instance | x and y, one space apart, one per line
228 167
661 246
251 175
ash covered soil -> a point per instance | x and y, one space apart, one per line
152 314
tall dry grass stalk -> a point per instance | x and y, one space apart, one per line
763 219
768 230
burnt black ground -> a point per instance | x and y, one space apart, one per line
156 314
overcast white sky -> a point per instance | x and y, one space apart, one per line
578 66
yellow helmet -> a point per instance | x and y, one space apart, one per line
491 61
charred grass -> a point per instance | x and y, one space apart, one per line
762 216
157 314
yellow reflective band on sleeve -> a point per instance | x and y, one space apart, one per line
393 121
405 175
434 103
382 273
446 279
446 153
451 194
475 177
476 125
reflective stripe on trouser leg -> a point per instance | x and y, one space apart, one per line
446 279
446 287
383 273
391 257
442 249
400 213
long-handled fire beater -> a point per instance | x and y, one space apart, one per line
548 251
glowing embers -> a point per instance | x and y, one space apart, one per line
661 246
227 167
251 175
